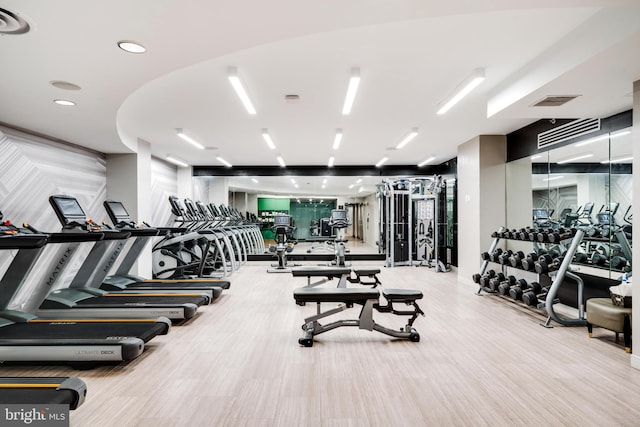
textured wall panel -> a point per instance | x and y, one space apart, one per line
164 183
32 169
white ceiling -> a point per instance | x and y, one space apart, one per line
411 55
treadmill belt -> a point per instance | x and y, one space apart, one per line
132 300
72 330
35 396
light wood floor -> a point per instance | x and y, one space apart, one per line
480 362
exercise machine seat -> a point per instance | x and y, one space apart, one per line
402 295
345 295
366 271
320 271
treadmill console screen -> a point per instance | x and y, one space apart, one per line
116 211
339 215
604 218
281 220
68 207
540 214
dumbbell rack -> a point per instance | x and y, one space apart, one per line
558 277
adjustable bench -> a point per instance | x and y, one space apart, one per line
342 273
368 299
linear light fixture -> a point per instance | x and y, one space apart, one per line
176 161
324 181
354 82
239 88
131 46
332 159
361 189
591 140
224 162
281 161
573 159
324 186
337 139
621 133
351 186
618 160
267 139
381 161
537 156
463 89
255 180
187 138
553 178
64 102
293 181
425 161
405 141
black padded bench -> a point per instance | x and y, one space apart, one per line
368 299
328 273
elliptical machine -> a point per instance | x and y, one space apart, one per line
339 221
283 230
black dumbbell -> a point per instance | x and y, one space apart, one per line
484 280
605 231
546 264
477 277
493 256
618 262
495 234
531 297
561 234
518 289
516 259
598 259
524 233
494 284
593 231
503 287
529 261
503 258
485 256
497 279
581 257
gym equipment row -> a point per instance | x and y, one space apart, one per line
283 230
207 241
413 222
540 294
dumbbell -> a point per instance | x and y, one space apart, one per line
524 233
518 289
618 262
593 231
529 261
543 235
496 234
605 231
485 256
561 234
476 277
546 264
484 280
503 287
503 258
515 260
598 259
581 257
494 284
532 296
493 256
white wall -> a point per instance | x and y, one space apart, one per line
635 359
519 202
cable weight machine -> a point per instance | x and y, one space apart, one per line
412 222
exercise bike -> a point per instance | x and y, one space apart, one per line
283 230
339 221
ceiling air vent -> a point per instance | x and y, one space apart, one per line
10 23
554 100
568 131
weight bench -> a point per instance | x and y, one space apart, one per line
342 273
368 299
601 312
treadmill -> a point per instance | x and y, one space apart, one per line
82 298
27 338
140 236
69 391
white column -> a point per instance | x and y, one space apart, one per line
635 359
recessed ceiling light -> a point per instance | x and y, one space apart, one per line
337 139
381 161
131 46
176 161
573 159
267 139
187 138
255 180
239 88
64 85
424 162
405 141
64 102
281 161
618 160
224 162
354 82
554 178
536 156
330 163
463 89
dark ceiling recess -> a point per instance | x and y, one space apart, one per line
554 100
12 23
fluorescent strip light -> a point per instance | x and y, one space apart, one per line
296 185
359 180
424 162
583 156
463 89
351 186
337 139
242 94
324 181
255 180
537 156
281 161
330 163
267 139
620 159
555 177
190 140
381 161
405 141
176 161
354 82
622 133
293 181
361 189
589 141
323 186
224 162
